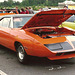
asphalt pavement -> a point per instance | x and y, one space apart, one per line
9 65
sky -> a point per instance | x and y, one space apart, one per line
13 0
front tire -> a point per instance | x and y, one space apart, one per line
21 54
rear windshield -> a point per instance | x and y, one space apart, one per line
19 22
71 19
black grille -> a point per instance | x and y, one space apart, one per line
58 54
67 53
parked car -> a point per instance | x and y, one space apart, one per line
38 35
70 22
8 10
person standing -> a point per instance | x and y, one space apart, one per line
22 11
30 10
4 11
17 10
65 7
26 10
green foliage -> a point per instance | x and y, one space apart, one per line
10 2
33 3
37 7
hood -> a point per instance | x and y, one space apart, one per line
49 18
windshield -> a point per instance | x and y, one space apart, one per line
71 19
19 22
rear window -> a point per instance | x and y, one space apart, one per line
19 22
71 19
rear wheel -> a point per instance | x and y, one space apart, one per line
21 54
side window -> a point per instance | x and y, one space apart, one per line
5 22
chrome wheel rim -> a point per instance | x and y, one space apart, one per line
21 52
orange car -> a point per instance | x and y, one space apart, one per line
40 36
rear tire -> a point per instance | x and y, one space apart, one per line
21 54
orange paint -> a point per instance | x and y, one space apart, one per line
34 43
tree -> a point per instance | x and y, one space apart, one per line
24 3
5 4
10 2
